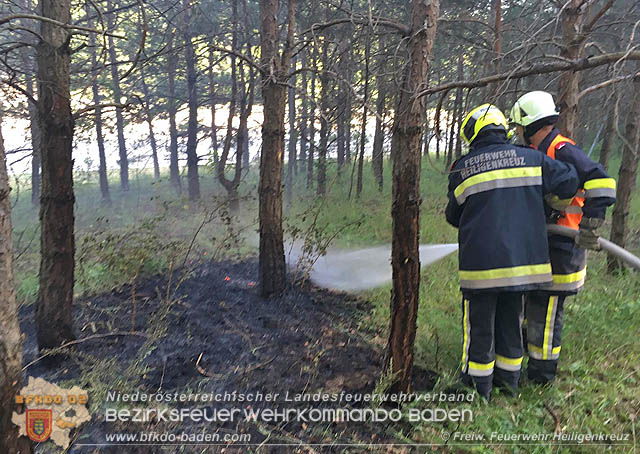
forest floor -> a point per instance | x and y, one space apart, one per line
311 339
212 333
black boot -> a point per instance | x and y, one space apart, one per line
483 385
506 381
541 372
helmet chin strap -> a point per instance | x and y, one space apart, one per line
530 130
528 134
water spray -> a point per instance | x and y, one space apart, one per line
364 269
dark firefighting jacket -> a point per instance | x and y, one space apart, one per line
496 200
596 192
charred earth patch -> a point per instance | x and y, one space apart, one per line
208 331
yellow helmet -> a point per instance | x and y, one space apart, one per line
481 118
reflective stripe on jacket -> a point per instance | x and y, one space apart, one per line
496 200
572 215
597 192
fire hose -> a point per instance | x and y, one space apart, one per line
606 245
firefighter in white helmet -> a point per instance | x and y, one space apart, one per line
535 115
496 202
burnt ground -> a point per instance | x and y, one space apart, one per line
215 334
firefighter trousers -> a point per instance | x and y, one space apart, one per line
492 340
544 314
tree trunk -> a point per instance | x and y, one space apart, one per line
425 135
29 73
242 141
626 177
568 85
452 128
493 90
117 96
54 322
348 112
438 131
97 99
293 133
245 124
192 124
324 122
226 148
305 114
347 128
174 169
458 107
149 118
363 130
312 128
497 30
340 138
607 141
292 163
212 102
102 159
35 139
245 148
231 186
438 123
377 158
11 339
405 211
275 70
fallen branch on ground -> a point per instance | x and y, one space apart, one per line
53 351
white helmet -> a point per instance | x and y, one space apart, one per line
531 107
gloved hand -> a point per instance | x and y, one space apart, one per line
587 236
554 216
557 203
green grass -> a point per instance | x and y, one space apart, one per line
597 389
140 233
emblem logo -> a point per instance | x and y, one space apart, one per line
39 425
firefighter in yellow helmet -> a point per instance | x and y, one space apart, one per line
496 202
535 116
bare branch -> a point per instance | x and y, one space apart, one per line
250 61
143 40
12 17
589 27
606 83
361 21
542 68
84 110
18 88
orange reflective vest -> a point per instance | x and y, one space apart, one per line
573 214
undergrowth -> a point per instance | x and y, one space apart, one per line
151 229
